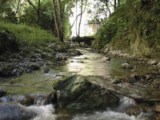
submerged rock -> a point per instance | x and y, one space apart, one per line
78 93
15 112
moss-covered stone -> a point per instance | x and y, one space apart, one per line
77 92
132 28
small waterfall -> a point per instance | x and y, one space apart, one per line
43 112
125 103
36 99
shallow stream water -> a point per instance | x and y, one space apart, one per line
89 63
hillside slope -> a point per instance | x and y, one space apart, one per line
133 28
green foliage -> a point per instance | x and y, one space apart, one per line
132 28
30 15
25 34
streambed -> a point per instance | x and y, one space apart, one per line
88 64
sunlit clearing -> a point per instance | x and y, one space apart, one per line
87 27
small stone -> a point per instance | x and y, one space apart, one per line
117 81
158 65
152 62
106 59
46 69
157 108
106 50
126 66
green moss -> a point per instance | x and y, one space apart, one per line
28 34
132 28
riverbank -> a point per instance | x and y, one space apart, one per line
90 64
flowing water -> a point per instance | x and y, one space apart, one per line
39 84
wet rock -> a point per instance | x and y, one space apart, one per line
34 66
157 108
27 100
2 92
126 66
106 59
15 112
77 93
74 52
106 50
157 117
46 68
52 98
117 81
158 65
152 62
135 110
8 70
60 56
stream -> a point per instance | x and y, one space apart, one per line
39 85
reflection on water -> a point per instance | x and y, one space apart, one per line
93 64
88 64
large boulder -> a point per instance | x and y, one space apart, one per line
78 93
15 112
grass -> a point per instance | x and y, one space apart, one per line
28 34
132 28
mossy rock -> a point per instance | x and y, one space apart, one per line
78 93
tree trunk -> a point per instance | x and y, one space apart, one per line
58 18
55 18
115 4
18 6
79 27
119 3
76 20
38 11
